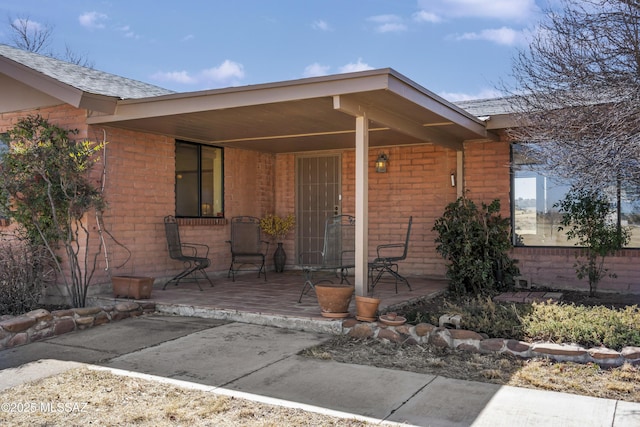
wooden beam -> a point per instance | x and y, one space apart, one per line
398 123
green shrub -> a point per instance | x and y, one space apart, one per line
586 326
476 244
481 314
23 275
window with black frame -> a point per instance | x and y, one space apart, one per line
199 180
534 193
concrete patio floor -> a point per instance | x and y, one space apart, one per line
275 302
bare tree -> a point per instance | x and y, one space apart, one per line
30 35
579 84
36 37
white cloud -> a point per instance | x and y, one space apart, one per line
315 70
424 16
228 71
353 67
30 25
92 20
504 36
321 25
128 32
497 9
388 23
461 96
181 77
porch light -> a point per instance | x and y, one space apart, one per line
381 163
453 179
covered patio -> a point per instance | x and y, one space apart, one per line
275 302
349 112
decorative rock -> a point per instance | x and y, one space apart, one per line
119 315
424 329
43 324
42 334
87 311
518 347
440 337
450 321
126 307
84 322
101 318
631 353
388 334
561 351
403 329
64 325
349 323
40 315
18 324
492 345
467 347
361 330
18 339
62 313
602 353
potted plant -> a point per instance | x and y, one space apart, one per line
277 227
334 300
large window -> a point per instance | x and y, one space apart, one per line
534 193
199 186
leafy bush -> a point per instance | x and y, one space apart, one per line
586 214
24 272
483 315
476 244
548 321
586 326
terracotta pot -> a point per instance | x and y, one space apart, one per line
334 299
366 308
132 286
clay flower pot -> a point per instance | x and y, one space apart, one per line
366 308
334 300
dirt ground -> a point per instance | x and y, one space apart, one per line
621 383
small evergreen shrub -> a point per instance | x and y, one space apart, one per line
476 244
586 326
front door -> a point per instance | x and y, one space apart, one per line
318 196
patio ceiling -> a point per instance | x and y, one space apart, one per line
303 115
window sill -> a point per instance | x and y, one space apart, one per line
201 221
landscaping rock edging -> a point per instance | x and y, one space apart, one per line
39 324
461 339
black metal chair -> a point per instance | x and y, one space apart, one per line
247 247
337 255
388 256
194 262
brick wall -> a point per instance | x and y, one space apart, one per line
139 189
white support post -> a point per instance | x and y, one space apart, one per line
362 205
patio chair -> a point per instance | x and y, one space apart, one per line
247 248
337 255
388 256
194 256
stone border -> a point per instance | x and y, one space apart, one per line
461 339
39 324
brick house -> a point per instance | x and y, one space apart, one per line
306 147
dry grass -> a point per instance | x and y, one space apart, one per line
83 396
622 383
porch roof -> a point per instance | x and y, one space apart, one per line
303 115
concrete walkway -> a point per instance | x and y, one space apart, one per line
262 362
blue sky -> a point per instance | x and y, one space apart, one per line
459 49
